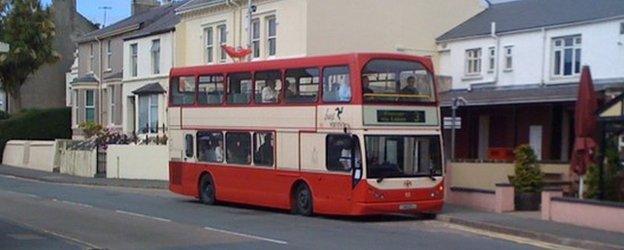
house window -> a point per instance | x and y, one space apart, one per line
155 50
622 28
90 105
491 59
473 62
148 113
567 56
255 38
133 59
271 35
222 41
109 54
209 48
91 58
508 58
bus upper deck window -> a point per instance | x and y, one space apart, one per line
268 86
396 81
336 84
301 85
183 90
239 88
210 89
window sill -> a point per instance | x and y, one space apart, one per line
508 70
472 77
108 70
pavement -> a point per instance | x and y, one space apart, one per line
519 226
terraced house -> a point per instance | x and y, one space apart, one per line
294 28
98 92
517 64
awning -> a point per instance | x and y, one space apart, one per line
535 94
524 94
152 88
84 79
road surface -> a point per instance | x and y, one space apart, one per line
40 215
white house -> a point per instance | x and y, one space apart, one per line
147 59
518 65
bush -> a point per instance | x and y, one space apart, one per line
4 115
91 129
612 168
527 174
36 124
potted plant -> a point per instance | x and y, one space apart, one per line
527 179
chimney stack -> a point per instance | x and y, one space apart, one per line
140 6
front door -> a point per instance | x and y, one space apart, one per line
535 140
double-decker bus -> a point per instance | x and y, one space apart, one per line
352 134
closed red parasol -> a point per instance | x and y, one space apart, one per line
585 122
236 53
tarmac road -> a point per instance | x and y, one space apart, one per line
38 215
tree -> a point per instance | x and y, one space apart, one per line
28 28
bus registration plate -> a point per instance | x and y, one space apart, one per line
404 207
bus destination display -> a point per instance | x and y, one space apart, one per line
401 116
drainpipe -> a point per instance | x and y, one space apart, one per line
99 106
249 15
497 51
543 76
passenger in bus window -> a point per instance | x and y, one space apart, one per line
269 94
289 92
238 152
344 91
218 151
264 155
365 85
410 88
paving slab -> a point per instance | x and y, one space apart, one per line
522 225
64 178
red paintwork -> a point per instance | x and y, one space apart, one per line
355 61
332 193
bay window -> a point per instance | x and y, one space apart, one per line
148 113
90 105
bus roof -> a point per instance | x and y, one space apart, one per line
310 61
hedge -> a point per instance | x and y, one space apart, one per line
36 124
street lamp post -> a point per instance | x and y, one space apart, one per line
457 101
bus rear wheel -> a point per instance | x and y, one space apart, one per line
207 190
302 200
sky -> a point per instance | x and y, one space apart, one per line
120 9
91 9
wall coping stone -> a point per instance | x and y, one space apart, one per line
503 185
472 190
589 202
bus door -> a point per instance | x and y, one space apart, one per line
344 161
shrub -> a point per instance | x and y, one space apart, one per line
34 124
90 128
4 115
612 167
527 174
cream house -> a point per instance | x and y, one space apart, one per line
147 59
292 28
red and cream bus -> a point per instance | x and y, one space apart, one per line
352 134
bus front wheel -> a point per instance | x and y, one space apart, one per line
207 190
303 200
